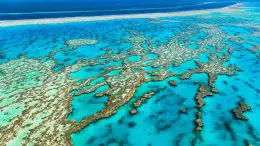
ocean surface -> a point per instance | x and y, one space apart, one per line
36 10
203 73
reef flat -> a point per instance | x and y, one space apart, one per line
35 102
167 81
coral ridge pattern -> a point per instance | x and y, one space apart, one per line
36 99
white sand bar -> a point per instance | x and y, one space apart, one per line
228 9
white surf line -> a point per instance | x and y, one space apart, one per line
7 23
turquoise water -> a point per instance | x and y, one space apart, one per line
159 120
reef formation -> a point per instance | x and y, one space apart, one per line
35 102
238 112
41 97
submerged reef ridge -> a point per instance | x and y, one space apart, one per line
39 95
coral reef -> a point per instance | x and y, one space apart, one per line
214 67
202 92
80 42
173 52
255 50
198 121
143 99
140 101
122 86
133 111
172 83
40 100
183 110
238 112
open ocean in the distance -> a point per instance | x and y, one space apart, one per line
13 10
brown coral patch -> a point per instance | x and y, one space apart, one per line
238 112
